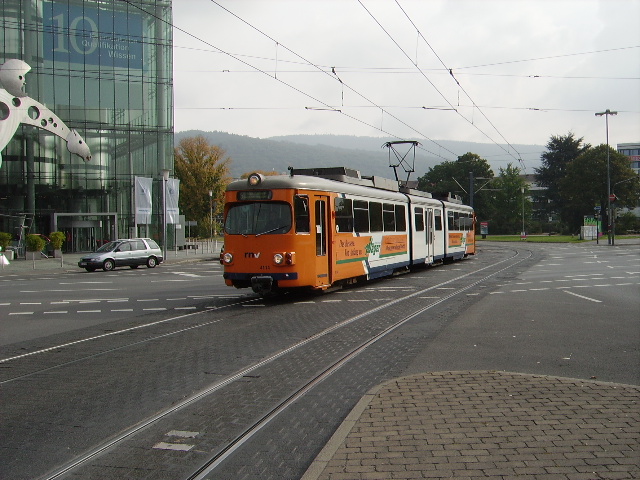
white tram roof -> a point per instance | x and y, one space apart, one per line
342 180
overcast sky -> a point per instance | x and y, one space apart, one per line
409 68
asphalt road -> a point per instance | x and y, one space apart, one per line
575 313
36 306
82 377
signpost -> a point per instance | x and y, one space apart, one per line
484 229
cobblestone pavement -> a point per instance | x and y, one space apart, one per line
487 424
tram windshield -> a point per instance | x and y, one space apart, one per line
259 218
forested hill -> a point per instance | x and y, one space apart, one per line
361 153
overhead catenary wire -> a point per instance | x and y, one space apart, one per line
335 76
459 85
273 76
431 83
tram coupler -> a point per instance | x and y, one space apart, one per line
262 284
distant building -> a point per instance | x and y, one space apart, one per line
632 151
105 68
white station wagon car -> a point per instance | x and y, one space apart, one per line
129 252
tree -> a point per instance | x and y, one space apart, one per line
560 152
584 185
508 201
453 176
201 167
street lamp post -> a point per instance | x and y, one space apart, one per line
606 114
210 216
524 234
165 178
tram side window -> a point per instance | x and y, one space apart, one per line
419 219
344 215
466 222
438 219
450 222
401 220
375 217
388 217
301 212
360 216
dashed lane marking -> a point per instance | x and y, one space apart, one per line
582 296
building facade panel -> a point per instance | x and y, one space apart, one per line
105 68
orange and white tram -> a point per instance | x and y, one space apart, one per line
319 228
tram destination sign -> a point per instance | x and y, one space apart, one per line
253 195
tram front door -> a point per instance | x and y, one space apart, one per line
321 223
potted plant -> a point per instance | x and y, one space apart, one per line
35 243
57 239
5 240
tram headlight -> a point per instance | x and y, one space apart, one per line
254 179
227 258
278 259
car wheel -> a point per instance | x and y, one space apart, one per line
134 266
90 269
151 262
108 265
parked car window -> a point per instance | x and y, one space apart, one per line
138 245
125 247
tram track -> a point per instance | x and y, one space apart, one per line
225 451
216 460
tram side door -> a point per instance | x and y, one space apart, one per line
321 239
428 227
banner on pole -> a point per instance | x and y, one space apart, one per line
173 195
143 201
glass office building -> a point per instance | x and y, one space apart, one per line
105 68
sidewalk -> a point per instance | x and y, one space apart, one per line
487 424
69 261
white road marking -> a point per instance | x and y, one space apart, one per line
182 434
582 296
72 290
173 446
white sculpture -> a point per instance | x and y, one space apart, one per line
17 107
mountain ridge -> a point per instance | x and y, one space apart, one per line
366 154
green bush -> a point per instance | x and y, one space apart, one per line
5 240
35 243
57 239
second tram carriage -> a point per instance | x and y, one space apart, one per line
323 227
